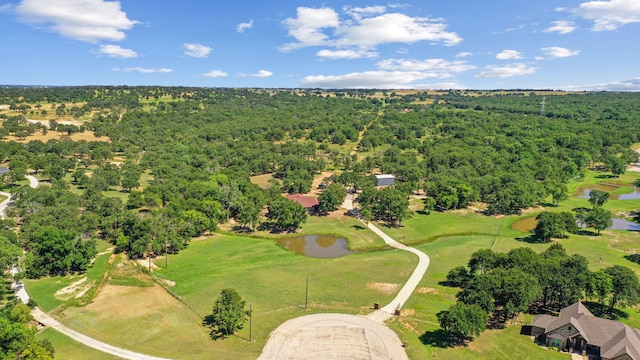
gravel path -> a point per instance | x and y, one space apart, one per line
342 336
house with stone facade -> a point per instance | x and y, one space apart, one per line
577 330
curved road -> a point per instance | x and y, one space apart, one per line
47 320
341 336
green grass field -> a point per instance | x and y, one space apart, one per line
43 290
71 350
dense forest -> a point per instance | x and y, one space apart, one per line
198 149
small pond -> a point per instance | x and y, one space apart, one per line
317 246
527 225
583 192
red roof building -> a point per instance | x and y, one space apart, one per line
306 201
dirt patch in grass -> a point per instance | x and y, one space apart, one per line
262 180
385 288
427 290
317 180
76 290
87 136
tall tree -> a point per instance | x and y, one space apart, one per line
597 198
463 321
599 219
625 289
229 314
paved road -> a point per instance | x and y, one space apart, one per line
341 336
47 320
423 264
5 203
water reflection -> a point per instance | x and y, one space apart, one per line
317 246
583 192
527 225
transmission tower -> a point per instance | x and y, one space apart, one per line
543 103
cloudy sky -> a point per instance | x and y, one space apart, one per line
560 44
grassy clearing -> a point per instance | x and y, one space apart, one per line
262 180
273 280
78 291
360 238
149 320
71 350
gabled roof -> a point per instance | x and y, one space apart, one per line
614 338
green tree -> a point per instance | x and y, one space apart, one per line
597 198
286 214
625 286
229 314
463 321
599 219
331 198
599 285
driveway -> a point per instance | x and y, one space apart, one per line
342 336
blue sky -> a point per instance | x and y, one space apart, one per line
421 44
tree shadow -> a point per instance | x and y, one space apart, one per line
241 229
530 239
605 176
633 257
441 339
585 232
602 311
358 227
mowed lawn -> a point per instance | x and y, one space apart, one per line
68 349
149 320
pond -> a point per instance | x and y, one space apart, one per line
527 225
583 192
317 246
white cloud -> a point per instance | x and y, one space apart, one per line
438 66
559 52
262 73
84 20
502 72
609 14
244 26
392 28
463 54
367 79
346 54
561 27
366 28
144 70
197 50
215 74
359 12
307 27
509 55
626 85
116 51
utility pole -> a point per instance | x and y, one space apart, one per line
250 316
543 103
306 294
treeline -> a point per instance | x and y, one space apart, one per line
498 286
